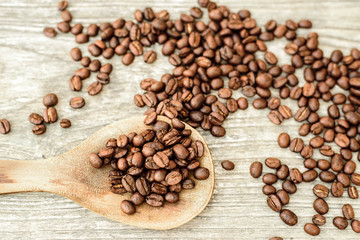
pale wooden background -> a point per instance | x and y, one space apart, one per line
32 65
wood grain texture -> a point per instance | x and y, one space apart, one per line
32 65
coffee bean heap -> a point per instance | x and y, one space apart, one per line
154 165
344 178
49 115
203 54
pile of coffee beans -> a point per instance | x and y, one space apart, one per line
154 165
49 115
227 46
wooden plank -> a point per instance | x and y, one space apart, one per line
32 65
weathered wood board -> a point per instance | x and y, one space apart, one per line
32 65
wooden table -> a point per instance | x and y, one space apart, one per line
32 65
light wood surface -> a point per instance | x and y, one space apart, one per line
32 65
71 175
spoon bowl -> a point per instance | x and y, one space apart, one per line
71 175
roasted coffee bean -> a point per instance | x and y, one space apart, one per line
201 173
337 189
95 160
62 5
275 117
38 129
284 140
150 118
85 61
50 100
268 189
255 168
173 178
154 200
150 56
50 115
285 111
321 191
273 163
282 172
180 151
269 178
259 103
283 196
77 102
296 145
188 184
94 88
127 207
353 192
142 186
274 203
172 197
320 206
36 119
355 225
270 58
355 179
64 27
95 65
310 163
65 123
327 176
311 229
340 222
288 217
302 114
295 175
318 219
66 15
127 59
50 32
310 175
161 159
137 199
289 186
229 165
75 83
242 103
348 211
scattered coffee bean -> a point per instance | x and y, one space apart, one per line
36 119
340 222
127 207
50 115
284 140
348 211
65 123
77 102
49 32
39 129
355 225
288 217
321 206
318 219
256 169
4 126
227 165
50 100
311 229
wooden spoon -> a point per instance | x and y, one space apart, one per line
71 175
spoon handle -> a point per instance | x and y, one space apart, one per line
24 176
